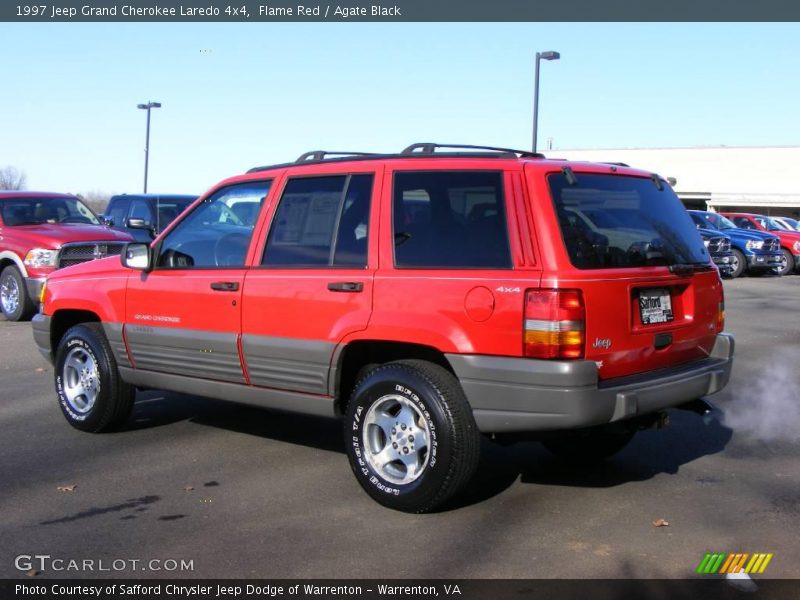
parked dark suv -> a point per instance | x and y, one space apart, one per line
144 216
425 298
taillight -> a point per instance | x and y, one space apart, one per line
554 324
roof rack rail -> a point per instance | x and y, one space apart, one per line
323 154
430 148
615 164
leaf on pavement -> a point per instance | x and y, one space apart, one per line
67 488
188 488
40 370
660 523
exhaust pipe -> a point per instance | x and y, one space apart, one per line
702 407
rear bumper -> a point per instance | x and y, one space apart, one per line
525 395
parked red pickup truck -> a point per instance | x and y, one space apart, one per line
41 232
424 297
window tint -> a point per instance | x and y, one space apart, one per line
743 223
215 233
617 221
450 219
39 210
140 209
321 221
117 212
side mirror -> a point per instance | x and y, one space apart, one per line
141 224
107 221
136 256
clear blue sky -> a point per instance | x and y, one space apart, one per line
245 94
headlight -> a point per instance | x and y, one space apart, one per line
41 257
754 244
796 246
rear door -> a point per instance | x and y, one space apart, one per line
652 298
184 316
313 287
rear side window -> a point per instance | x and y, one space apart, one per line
617 221
450 219
321 222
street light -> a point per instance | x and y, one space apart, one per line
549 55
147 107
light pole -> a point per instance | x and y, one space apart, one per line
549 55
147 107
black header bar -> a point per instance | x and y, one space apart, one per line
45 11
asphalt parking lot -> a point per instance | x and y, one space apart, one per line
243 492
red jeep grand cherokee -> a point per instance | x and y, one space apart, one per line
40 232
425 297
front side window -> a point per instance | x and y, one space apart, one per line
321 222
610 221
217 232
37 211
744 223
140 209
450 219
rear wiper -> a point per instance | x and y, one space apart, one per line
689 268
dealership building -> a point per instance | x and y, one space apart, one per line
761 179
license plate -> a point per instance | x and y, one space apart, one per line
655 306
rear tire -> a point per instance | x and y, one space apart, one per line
90 391
15 301
589 446
739 263
410 435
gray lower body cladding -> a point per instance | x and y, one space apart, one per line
516 395
189 352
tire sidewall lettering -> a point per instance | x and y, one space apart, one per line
360 464
62 397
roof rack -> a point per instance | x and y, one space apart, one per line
323 154
430 148
414 151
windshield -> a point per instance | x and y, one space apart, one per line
611 221
770 224
713 221
41 210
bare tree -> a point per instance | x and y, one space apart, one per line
12 178
96 200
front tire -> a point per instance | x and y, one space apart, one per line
786 264
739 263
15 301
90 392
410 435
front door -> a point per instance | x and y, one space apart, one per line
184 316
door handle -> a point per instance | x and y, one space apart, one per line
346 286
225 286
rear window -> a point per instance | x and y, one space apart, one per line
612 221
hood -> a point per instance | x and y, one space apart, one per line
106 267
787 236
712 233
53 235
747 234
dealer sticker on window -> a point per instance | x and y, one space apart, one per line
655 306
